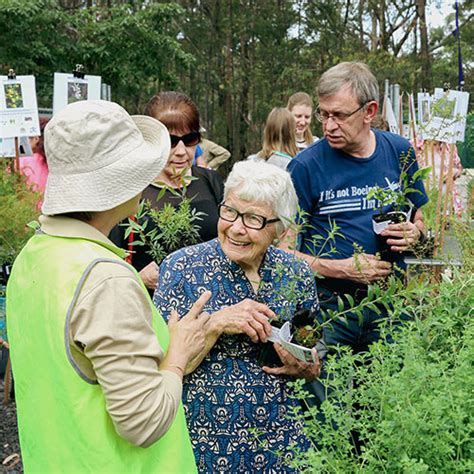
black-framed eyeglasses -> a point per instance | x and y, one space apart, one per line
338 117
252 221
190 139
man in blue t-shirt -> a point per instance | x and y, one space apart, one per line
332 178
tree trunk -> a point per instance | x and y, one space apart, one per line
424 45
374 32
360 19
229 73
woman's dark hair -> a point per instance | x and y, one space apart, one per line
175 110
85 216
39 147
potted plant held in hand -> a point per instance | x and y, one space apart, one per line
169 228
298 337
394 205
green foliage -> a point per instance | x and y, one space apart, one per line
398 198
133 48
165 230
409 402
466 148
135 51
236 58
18 206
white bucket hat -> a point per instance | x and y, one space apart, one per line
100 157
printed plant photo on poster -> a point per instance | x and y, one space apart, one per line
13 96
18 107
69 89
424 108
76 90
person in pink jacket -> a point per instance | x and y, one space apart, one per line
35 167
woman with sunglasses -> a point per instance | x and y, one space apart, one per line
203 186
227 392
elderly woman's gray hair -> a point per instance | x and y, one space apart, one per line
264 183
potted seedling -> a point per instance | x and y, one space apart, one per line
394 205
164 230
299 330
298 337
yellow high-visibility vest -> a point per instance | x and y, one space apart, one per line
63 422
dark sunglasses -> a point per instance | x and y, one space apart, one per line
190 139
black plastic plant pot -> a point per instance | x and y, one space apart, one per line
379 224
268 356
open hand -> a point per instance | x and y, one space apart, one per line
293 366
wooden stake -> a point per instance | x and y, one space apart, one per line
17 155
448 197
433 164
439 218
425 163
400 115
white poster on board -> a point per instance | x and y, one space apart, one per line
424 112
7 147
458 115
69 89
448 116
18 107
390 116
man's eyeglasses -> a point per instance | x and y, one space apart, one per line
338 117
190 139
252 221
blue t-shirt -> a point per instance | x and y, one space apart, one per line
332 186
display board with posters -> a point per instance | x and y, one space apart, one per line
69 88
18 107
442 117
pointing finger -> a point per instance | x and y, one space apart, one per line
199 304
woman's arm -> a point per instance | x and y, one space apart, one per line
112 342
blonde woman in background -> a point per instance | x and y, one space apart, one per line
300 105
279 139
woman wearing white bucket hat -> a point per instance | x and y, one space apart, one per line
97 374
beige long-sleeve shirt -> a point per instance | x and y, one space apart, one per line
214 155
112 342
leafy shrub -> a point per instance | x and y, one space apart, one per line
17 208
405 406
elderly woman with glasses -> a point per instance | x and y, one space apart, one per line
227 393
203 186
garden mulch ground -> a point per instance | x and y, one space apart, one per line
10 460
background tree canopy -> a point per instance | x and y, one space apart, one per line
236 58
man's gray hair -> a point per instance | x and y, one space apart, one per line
264 183
354 74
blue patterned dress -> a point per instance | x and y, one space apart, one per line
228 399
